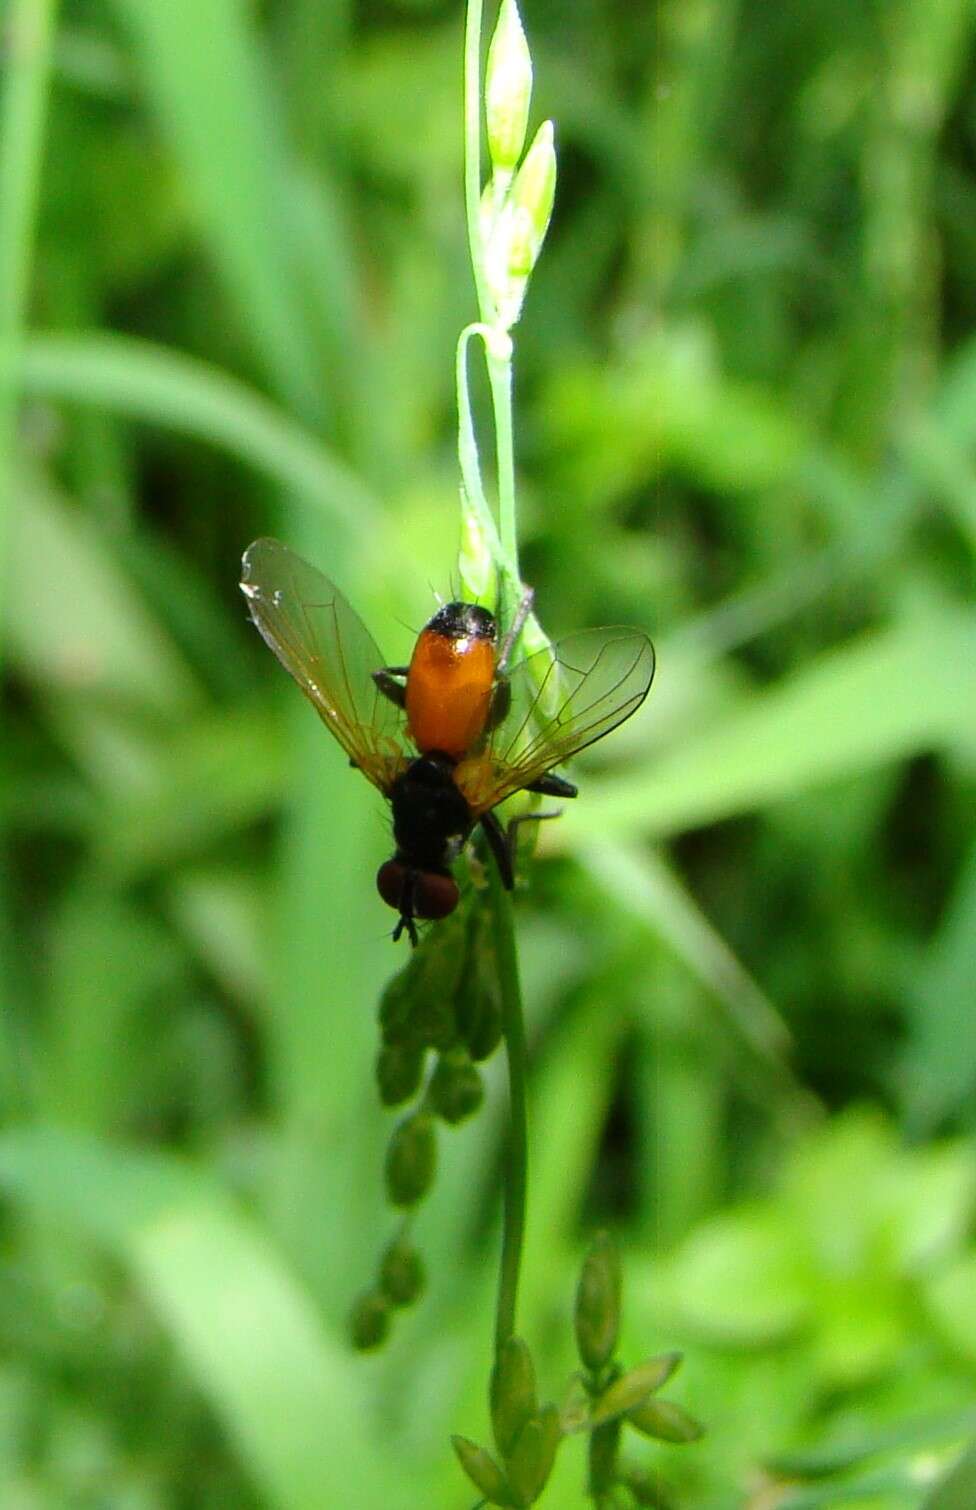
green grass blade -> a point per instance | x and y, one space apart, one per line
27 37
160 387
76 624
650 892
886 696
939 1058
214 99
957 1491
284 1392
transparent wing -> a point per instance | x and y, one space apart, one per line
562 699
329 651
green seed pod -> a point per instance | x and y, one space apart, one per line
512 1393
455 1089
508 89
411 1160
533 1455
369 1321
598 1304
631 1389
402 1273
483 1471
666 1422
399 1067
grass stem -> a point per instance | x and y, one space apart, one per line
29 31
516 1158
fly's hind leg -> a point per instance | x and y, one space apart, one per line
551 785
389 680
502 842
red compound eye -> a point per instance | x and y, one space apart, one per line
390 881
416 893
434 895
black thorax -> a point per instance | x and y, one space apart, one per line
431 818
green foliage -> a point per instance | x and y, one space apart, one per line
232 271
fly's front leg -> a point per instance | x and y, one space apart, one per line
501 701
514 630
390 681
501 693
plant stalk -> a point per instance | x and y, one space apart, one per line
504 546
29 30
517 1154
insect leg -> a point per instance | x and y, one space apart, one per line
502 842
501 701
551 785
388 683
514 630
498 844
406 923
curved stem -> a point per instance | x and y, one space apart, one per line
500 378
468 449
516 1154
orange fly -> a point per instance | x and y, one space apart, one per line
450 736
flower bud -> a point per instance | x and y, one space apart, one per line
533 1455
401 1273
442 956
598 1304
483 1024
411 1160
399 1067
483 1471
665 1421
369 1321
513 1396
398 1005
455 1091
535 187
630 1390
479 1001
508 89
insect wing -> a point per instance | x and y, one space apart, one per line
562 699
326 647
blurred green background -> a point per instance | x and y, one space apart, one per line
232 271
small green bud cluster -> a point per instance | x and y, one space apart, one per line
446 999
399 1284
602 1399
517 202
611 1397
439 1017
526 1434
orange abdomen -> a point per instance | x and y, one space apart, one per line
449 691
